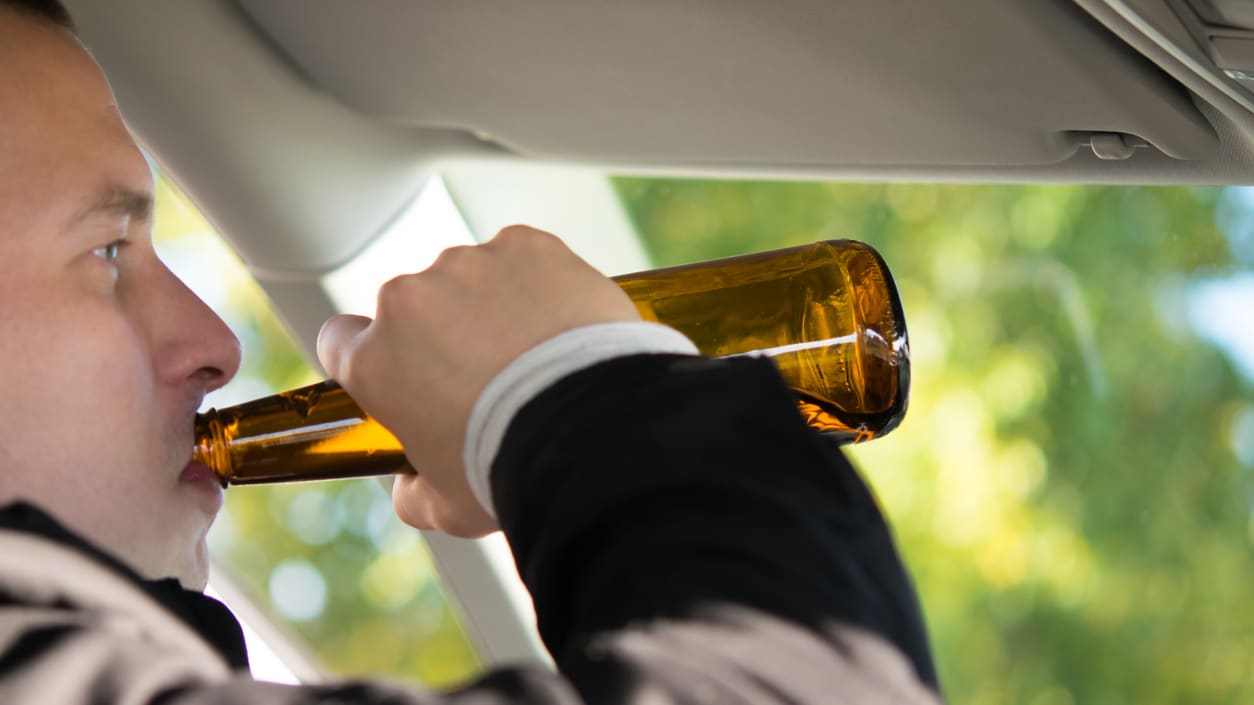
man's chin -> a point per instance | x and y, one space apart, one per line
194 575
185 555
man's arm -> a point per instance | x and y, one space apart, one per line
661 508
679 526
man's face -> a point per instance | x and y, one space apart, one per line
104 354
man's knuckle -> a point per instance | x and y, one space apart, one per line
520 236
396 292
391 288
455 257
513 233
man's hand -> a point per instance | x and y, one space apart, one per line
440 336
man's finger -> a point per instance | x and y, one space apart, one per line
335 337
411 498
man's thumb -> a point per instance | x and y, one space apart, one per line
335 339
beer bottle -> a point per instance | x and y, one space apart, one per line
827 314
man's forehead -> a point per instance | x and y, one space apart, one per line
59 125
44 62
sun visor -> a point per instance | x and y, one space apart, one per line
742 82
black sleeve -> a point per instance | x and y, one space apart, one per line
656 491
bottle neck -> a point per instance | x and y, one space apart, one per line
211 445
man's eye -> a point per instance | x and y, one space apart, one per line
109 252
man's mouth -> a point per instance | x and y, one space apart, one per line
205 481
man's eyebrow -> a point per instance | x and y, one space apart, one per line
120 201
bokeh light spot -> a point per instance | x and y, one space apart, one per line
1242 436
297 590
312 518
391 580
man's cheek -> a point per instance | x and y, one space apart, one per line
97 378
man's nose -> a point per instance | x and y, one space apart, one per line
195 344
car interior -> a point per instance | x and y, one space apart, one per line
308 132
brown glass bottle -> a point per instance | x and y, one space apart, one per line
827 314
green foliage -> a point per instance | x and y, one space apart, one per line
1064 486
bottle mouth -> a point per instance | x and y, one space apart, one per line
210 447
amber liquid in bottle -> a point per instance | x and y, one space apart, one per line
827 314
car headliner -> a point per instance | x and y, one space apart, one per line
275 114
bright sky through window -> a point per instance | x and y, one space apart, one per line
429 225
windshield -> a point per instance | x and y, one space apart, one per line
1072 485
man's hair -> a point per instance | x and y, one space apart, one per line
51 11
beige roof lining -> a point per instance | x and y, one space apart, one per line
300 164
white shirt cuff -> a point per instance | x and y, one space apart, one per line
538 369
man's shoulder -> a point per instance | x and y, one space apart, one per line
24 518
48 569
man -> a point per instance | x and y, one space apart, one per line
686 538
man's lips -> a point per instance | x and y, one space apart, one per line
201 476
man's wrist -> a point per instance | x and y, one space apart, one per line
541 367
